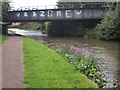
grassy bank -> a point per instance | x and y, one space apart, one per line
44 68
4 38
11 31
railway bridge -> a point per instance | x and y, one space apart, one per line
37 15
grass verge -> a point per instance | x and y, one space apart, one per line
11 31
44 68
4 38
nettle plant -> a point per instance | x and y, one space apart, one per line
85 64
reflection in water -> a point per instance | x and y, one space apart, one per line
108 58
28 33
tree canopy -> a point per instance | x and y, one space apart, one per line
80 4
5 8
109 27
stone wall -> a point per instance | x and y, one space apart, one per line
71 28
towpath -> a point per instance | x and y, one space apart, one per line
13 62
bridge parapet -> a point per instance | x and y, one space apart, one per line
56 14
23 8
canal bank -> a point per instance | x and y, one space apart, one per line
44 68
108 61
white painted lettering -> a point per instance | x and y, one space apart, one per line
50 13
34 14
78 12
25 14
42 13
68 13
58 13
18 14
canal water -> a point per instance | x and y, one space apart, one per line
108 59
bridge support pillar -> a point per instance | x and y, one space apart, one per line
4 29
42 26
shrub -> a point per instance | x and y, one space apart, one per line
109 27
47 27
94 33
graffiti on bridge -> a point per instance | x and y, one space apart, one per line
54 14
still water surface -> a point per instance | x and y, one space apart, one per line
108 58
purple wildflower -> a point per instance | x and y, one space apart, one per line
64 45
71 48
75 49
78 51
60 50
75 52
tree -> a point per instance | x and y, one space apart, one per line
5 8
110 25
81 4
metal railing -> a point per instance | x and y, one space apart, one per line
38 7
34 8
23 8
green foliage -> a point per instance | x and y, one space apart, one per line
11 31
5 8
44 68
94 4
35 26
68 4
47 26
109 28
30 26
3 38
80 4
93 33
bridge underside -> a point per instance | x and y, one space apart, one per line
72 28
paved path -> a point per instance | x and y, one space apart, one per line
13 63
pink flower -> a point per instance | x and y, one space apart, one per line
71 48
60 50
76 52
75 49
64 45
